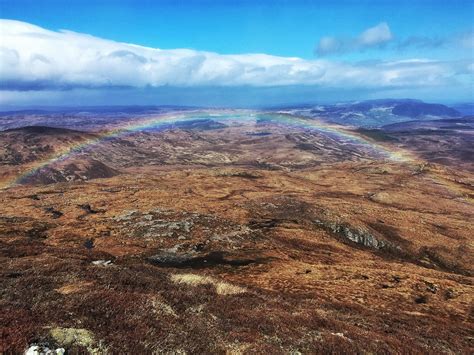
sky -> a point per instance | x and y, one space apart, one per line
234 53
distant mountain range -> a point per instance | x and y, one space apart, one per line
364 114
376 113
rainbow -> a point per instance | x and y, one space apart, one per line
164 120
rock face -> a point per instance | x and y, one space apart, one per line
357 236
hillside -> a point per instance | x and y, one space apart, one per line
235 235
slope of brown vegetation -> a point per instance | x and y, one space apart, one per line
216 243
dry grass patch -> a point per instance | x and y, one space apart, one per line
222 288
236 348
74 288
161 307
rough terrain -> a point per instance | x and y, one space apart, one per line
235 238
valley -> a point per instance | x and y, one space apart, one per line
236 231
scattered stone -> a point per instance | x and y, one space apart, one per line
431 287
341 335
104 233
449 294
421 299
396 278
102 262
55 213
199 247
89 243
44 350
86 207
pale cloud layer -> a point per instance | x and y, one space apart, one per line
372 37
463 41
36 59
380 36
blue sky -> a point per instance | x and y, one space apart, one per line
328 37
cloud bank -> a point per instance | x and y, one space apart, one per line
37 63
36 59
372 37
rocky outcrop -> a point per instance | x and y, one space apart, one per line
356 235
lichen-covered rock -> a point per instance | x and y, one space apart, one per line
357 236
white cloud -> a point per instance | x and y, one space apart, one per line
36 59
375 35
372 37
